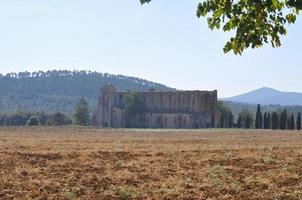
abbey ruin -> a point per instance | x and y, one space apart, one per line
173 109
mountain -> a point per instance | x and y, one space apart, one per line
54 91
266 96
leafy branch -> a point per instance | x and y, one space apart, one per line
255 22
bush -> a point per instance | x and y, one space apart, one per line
2 120
57 119
33 121
246 118
17 119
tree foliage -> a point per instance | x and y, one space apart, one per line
226 116
265 125
267 120
253 22
16 119
59 90
246 119
283 120
291 122
33 121
134 103
22 118
57 119
82 113
259 118
237 107
134 107
239 122
275 120
299 121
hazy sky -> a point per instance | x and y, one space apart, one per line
163 41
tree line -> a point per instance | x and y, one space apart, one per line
277 120
81 116
237 107
22 118
282 120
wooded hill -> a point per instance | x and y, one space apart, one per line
58 91
53 91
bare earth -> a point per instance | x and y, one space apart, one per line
74 163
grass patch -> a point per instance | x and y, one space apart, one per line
126 192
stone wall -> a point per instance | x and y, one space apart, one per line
168 120
177 109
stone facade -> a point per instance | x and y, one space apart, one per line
174 109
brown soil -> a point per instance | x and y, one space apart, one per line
77 163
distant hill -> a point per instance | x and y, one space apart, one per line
54 91
267 96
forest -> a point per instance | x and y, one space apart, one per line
58 90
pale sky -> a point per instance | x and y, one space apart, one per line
163 41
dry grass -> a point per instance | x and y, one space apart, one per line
74 163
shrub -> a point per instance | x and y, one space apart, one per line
33 121
18 119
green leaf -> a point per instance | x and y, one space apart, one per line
275 3
145 1
255 22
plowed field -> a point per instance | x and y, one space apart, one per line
78 163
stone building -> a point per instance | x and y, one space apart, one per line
173 109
